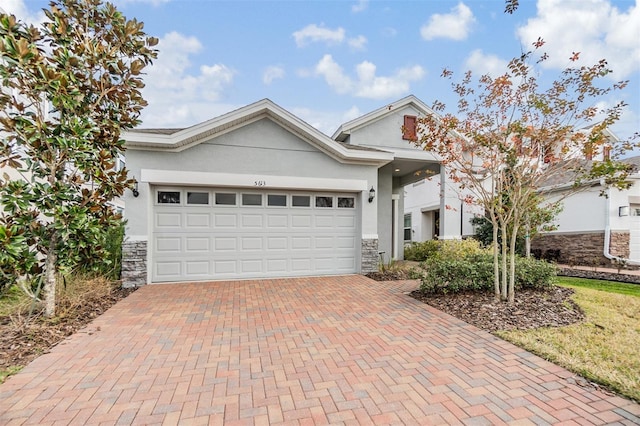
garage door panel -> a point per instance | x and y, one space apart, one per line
277 265
198 268
223 267
345 263
277 243
323 242
251 243
324 221
168 220
251 266
301 265
277 221
197 244
324 263
252 221
346 242
346 222
168 244
200 242
168 269
198 220
301 243
301 221
226 220
225 243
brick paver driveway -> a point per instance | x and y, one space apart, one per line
297 351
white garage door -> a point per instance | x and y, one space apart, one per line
202 234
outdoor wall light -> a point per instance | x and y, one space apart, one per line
134 190
372 194
623 211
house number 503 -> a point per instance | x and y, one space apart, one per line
260 183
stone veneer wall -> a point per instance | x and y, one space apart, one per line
619 244
134 263
581 248
369 255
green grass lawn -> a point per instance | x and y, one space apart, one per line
605 347
608 286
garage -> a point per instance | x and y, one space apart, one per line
234 233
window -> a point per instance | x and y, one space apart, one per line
324 201
168 197
225 198
346 202
251 199
200 198
300 201
409 128
277 200
606 153
407 227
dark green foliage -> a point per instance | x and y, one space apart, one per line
421 251
475 273
484 234
111 264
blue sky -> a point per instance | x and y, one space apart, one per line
331 61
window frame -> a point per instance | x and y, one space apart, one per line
407 228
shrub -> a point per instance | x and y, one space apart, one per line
474 272
442 248
421 251
111 265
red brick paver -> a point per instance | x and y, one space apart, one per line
331 350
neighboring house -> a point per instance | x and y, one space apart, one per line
597 225
259 193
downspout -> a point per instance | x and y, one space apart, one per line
607 235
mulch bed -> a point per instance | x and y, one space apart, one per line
23 339
552 307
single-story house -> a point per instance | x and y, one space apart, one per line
258 193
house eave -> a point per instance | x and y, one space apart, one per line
184 139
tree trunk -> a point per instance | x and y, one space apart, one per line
50 279
527 242
496 262
512 266
503 287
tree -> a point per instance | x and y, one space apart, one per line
512 136
68 88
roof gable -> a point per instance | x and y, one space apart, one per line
175 140
347 128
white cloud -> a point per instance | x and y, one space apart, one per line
455 25
481 64
326 121
360 6
177 95
367 85
272 72
334 75
22 12
389 32
358 43
313 33
594 28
